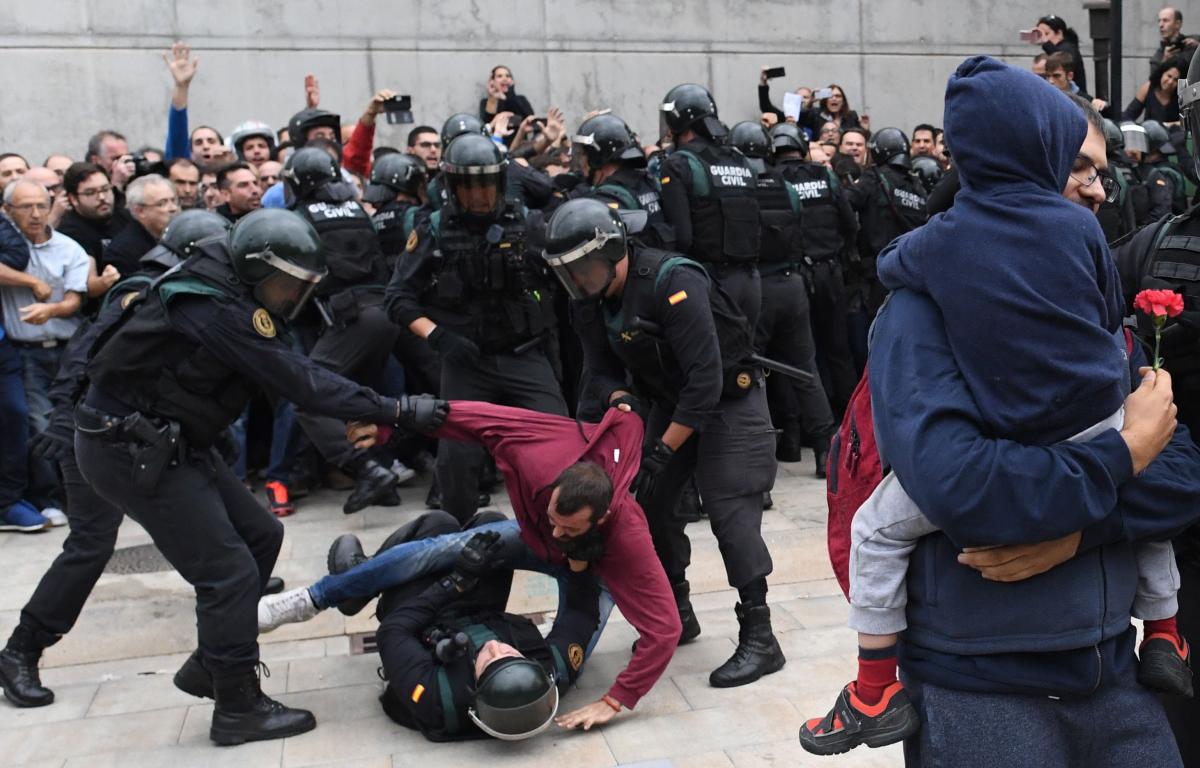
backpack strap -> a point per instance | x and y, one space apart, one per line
835 186
410 220
700 185
626 198
666 265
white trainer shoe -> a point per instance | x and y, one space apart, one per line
289 607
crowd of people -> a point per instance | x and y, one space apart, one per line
586 316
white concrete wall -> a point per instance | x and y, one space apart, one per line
69 67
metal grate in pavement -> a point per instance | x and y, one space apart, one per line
144 558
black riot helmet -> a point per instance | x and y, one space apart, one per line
278 253
1114 140
307 170
928 171
1189 104
787 136
690 106
585 239
752 139
605 139
395 173
189 227
306 119
889 146
1157 138
457 125
475 174
514 699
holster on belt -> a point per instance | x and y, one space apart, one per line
153 448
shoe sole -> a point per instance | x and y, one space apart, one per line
18 701
407 476
770 671
25 528
233 738
1161 678
908 726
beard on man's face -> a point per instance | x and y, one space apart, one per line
587 547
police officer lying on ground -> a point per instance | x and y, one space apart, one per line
175 370
458 666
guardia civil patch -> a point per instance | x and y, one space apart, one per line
263 323
411 245
575 655
744 381
127 299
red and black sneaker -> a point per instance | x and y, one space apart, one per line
277 499
852 722
1165 664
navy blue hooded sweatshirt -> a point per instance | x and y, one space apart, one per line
1062 632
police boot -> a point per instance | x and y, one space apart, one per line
690 508
344 553
822 457
19 670
244 713
789 447
193 678
687 615
434 498
374 486
758 652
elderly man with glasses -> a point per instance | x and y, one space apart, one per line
152 202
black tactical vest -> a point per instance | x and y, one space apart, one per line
395 222
780 213
146 364
492 278
897 206
632 189
725 223
818 189
352 248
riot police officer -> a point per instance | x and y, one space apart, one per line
533 188
456 125
929 171
707 196
1166 254
829 231
783 331
68 582
397 189
1117 218
656 317
609 159
457 666
889 202
354 335
176 369
470 286
1165 183
312 123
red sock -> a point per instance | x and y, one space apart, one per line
1162 627
876 671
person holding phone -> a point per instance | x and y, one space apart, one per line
1053 34
502 97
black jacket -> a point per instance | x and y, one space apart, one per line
127 248
94 236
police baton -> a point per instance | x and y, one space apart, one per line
654 329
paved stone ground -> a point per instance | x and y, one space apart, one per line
116 705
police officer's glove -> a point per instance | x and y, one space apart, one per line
421 413
58 439
654 462
635 403
479 557
453 346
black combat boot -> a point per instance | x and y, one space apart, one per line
374 486
768 502
690 508
789 447
758 652
244 713
687 616
19 670
822 455
193 678
344 553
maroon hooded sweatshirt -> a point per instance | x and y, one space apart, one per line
531 449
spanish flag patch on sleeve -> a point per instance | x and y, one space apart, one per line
665 180
417 693
676 297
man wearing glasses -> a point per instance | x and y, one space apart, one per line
152 202
93 220
425 143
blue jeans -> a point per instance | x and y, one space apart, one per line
40 367
281 458
405 562
14 427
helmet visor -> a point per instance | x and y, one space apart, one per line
476 189
516 723
583 271
1135 137
285 291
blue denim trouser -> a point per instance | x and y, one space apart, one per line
281 459
14 427
1122 724
405 562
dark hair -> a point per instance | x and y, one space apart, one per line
584 484
7 155
78 173
94 143
925 127
857 129
1058 25
501 66
192 135
1061 60
1175 62
1093 117
415 132
168 165
224 171
1040 57
280 147
845 102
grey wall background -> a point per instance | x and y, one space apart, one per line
70 67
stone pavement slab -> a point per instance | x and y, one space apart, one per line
116 705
